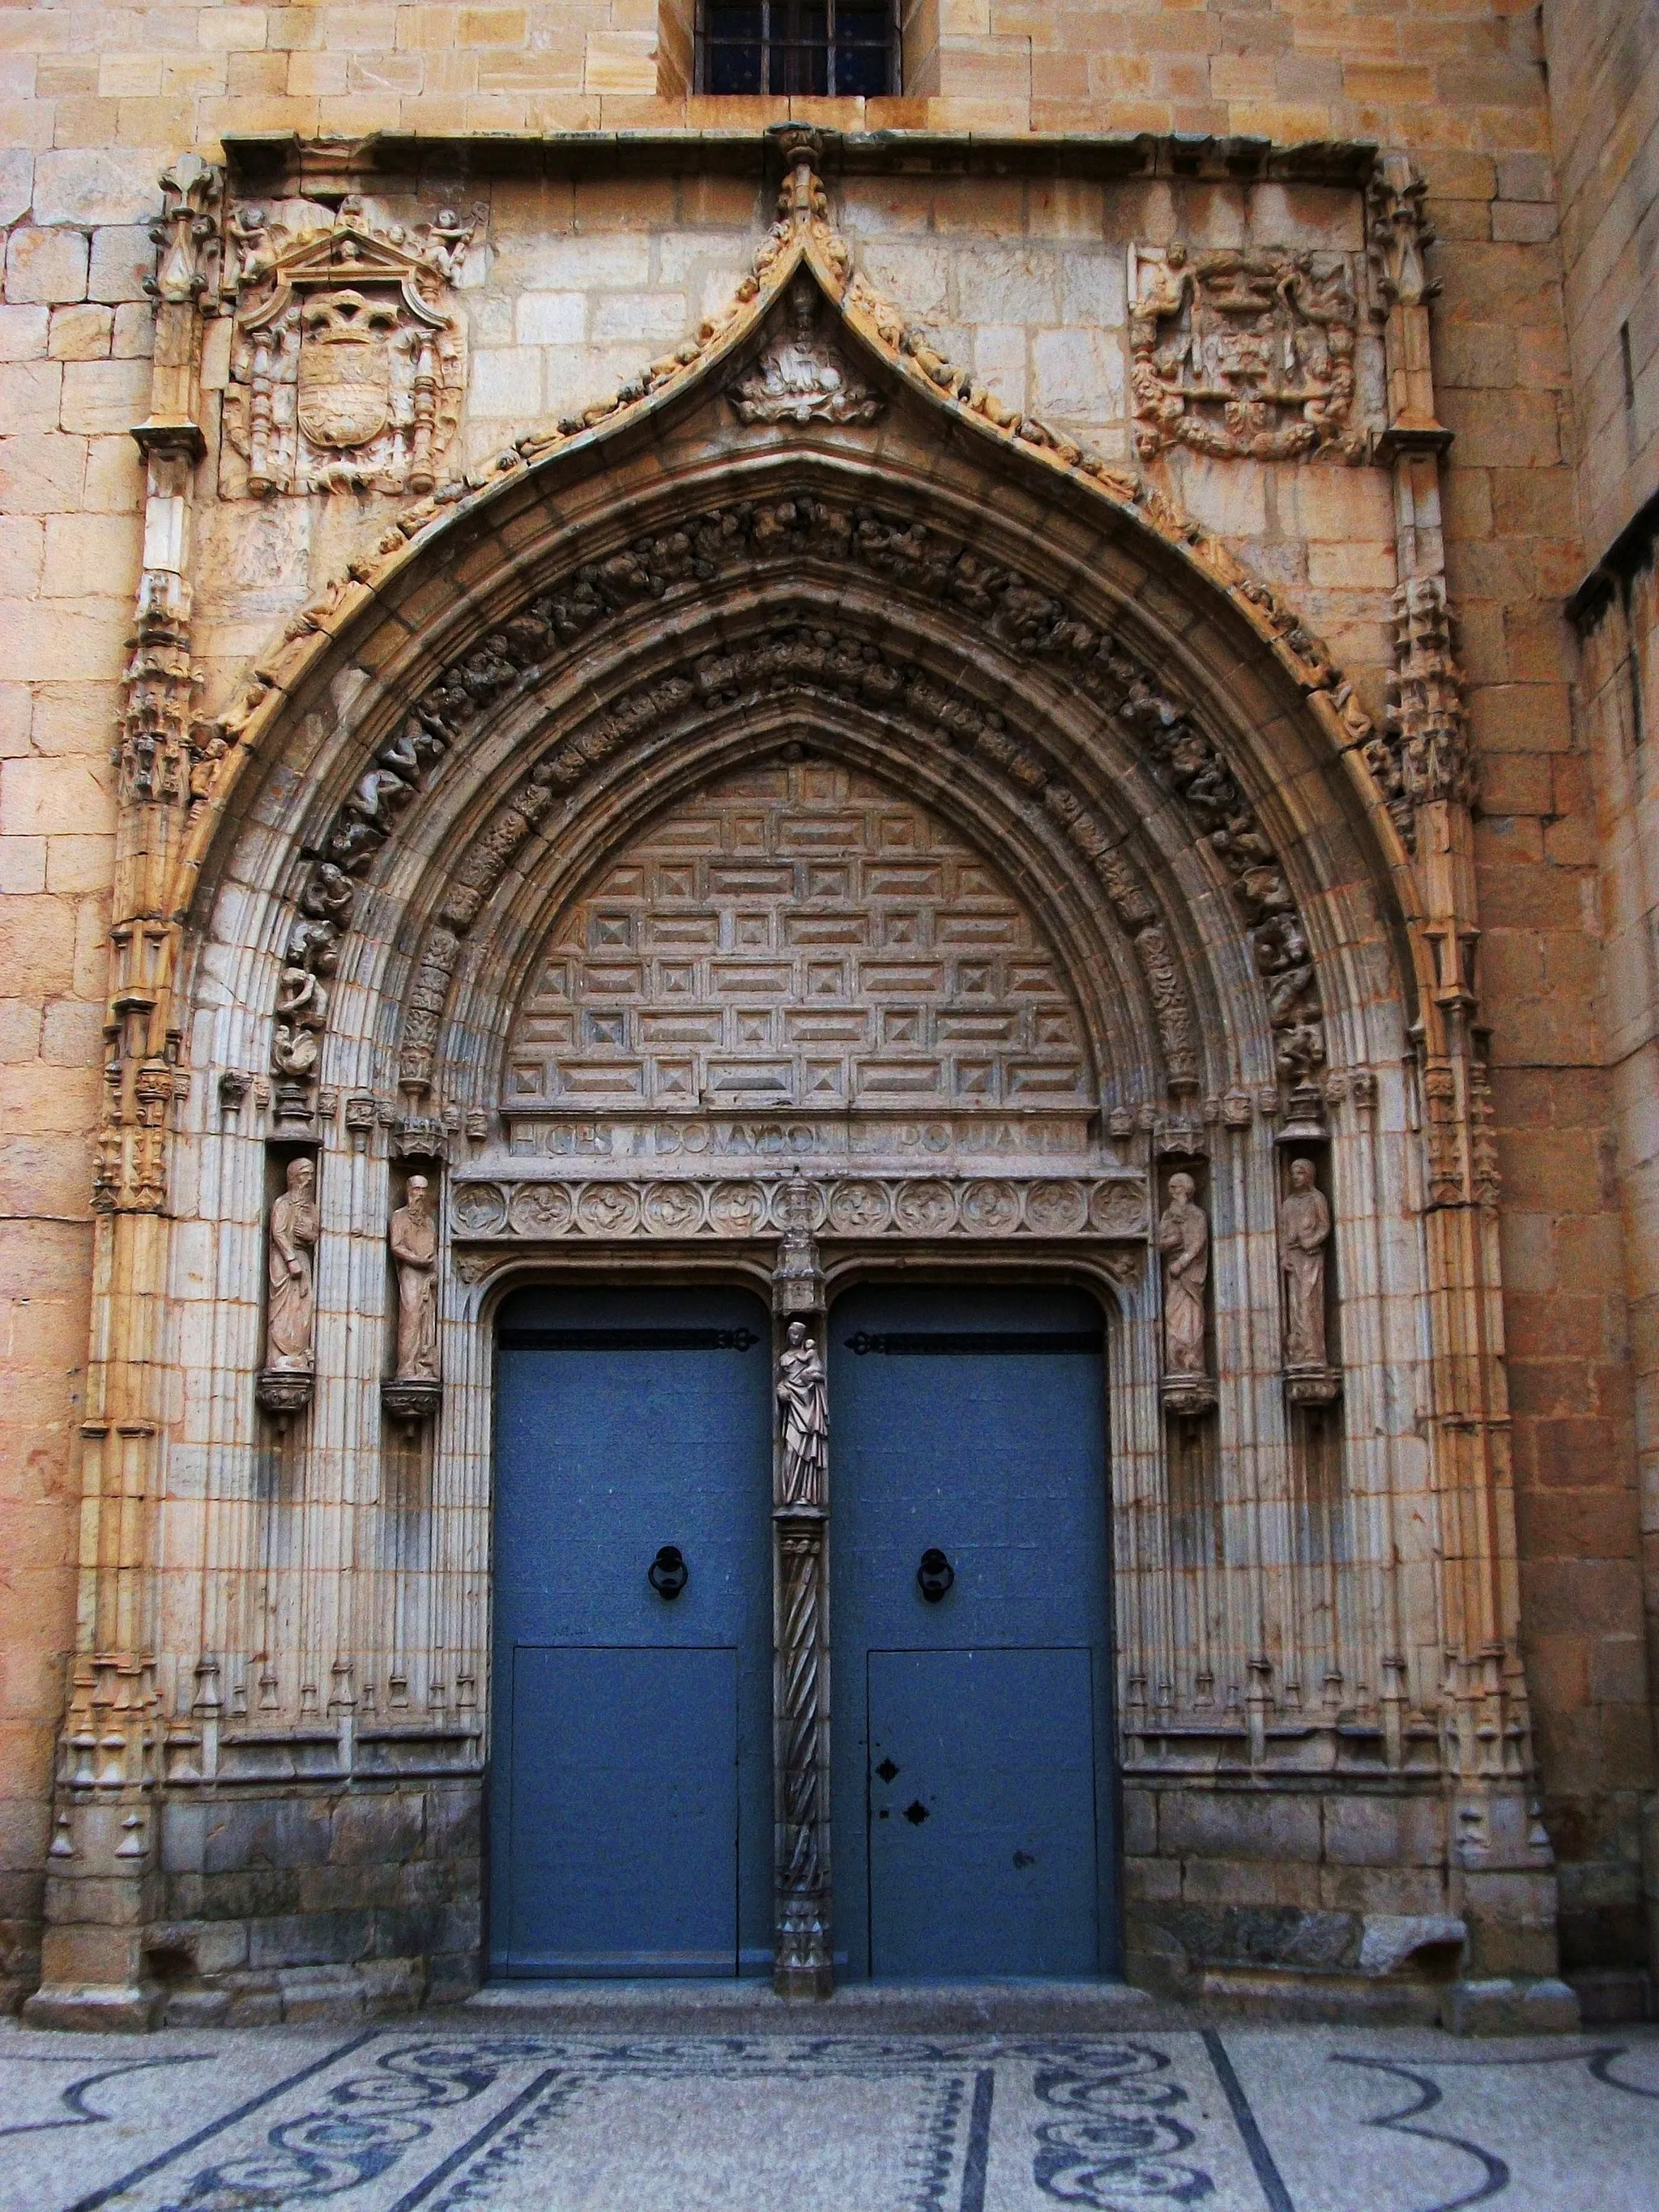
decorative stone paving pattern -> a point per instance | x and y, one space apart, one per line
459 2120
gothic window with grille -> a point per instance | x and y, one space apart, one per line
826 48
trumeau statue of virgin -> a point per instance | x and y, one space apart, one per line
803 1394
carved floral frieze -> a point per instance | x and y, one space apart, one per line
906 555
348 359
1243 351
861 1207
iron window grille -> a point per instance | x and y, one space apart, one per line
821 49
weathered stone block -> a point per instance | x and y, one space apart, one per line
184 1837
1384 1832
16 184
1510 2005
122 258
1138 1834
45 266
309 1939
98 185
261 1833
1221 1825
454 1821
1275 1936
377 1827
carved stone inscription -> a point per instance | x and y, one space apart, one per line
798 935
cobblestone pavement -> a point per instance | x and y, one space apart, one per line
458 2113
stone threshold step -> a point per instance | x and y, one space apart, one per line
749 2006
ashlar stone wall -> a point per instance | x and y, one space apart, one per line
1604 77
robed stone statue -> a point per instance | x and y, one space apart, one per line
803 1394
1304 1229
291 1312
414 1237
1183 1239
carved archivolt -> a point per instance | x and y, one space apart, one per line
347 364
1024 619
1243 351
801 239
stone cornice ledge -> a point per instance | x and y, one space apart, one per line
271 162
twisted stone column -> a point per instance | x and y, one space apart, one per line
803 1960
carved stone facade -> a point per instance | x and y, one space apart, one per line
779 798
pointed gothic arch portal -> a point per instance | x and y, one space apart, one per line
799 826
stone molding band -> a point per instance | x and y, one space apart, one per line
499 1210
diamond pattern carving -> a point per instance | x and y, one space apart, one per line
800 935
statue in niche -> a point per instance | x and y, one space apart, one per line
292 1311
1183 1237
414 1238
803 1394
1304 1229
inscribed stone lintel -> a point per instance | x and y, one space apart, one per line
771 1138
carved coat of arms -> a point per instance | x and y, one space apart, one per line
347 361
1243 351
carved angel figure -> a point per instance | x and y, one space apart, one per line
414 1240
291 1310
1183 1237
804 1396
1304 1229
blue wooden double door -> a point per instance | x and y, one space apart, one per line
631 1802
